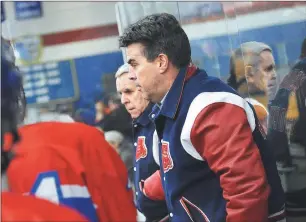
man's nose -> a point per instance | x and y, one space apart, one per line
124 100
132 74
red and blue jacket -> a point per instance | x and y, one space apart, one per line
215 162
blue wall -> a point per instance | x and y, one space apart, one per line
90 71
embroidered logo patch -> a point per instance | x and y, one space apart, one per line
166 157
141 150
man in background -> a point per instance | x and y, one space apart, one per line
252 74
145 162
101 110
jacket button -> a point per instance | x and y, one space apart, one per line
136 193
171 214
135 125
135 144
134 168
153 115
164 178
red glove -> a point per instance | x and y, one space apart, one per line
152 187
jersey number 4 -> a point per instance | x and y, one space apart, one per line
48 186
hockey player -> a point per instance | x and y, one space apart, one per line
145 162
71 164
215 164
17 207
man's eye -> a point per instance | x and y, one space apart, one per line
270 68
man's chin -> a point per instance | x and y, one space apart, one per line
134 116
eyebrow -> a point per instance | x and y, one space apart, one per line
130 61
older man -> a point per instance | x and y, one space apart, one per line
143 129
215 164
253 75
252 71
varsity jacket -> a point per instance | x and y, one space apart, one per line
145 165
214 159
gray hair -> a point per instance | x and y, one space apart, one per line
113 136
122 69
250 52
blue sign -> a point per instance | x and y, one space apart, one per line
2 12
28 10
50 82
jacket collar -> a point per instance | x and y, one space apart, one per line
172 100
144 119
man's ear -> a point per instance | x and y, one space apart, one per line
162 63
249 75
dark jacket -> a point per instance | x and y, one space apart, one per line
294 82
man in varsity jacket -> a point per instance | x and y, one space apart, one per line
215 165
145 163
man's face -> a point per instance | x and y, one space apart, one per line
265 76
146 74
131 95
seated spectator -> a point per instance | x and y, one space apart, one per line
102 109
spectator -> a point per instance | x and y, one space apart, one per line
101 110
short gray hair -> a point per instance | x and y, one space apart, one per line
250 52
122 69
247 54
113 136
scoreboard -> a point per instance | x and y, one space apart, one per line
50 82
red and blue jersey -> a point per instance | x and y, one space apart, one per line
72 164
19 208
